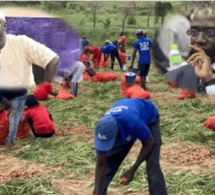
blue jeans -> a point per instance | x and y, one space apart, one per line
15 114
155 176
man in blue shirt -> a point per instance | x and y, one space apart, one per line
84 43
143 45
111 50
126 121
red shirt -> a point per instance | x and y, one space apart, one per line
123 39
95 51
41 122
41 91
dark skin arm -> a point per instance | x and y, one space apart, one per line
201 63
51 69
6 104
143 154
133 56
106 56
99 173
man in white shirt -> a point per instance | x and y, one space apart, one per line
18 53
199 72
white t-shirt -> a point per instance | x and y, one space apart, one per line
17 57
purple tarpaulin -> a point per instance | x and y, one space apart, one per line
52 32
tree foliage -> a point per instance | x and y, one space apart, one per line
94 7
126 10
161 10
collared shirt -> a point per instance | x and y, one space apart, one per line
16 58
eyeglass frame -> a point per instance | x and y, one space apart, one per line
188 32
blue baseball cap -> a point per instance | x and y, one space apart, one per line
105 133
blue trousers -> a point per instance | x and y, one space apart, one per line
155 176
15 114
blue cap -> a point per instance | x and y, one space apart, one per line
105 133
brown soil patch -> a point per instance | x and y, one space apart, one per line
181 156
11 167
86 134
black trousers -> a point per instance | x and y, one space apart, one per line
115 54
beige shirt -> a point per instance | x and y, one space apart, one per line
16 58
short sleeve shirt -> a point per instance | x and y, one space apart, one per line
143 45
133 117
16 58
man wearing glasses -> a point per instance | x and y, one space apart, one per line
198 74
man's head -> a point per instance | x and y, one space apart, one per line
140 33
108 42
31 101
202 31
121 33
105 133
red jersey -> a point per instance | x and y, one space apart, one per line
42 91
123 39
41 121
95 51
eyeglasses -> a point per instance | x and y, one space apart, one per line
209 33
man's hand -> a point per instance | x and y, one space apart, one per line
127 177
4 105
130 67
201 63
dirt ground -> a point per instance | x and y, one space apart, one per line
179 156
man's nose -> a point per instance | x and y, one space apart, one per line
201 38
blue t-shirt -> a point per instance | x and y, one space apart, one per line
143 45
133 117
109 48
84 43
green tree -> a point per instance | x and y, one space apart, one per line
94 7
161 10
126 10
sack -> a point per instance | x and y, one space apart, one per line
84 58
123 57
210 123
125 85
23 130
63 94
103 63
4 127
137 92
104 77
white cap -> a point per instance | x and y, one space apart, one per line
2 16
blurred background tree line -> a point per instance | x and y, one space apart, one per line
101 20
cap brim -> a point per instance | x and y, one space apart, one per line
103 146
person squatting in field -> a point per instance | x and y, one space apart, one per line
39 119
116 132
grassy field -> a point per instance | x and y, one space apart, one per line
65 163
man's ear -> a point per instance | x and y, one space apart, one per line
5 25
